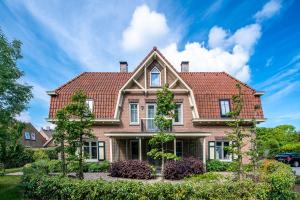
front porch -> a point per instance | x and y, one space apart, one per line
135 146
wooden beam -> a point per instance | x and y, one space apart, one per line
174 83
136 82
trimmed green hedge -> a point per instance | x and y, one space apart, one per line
276 182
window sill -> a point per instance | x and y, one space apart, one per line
181 124
134 124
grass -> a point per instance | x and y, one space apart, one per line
12 170
10 188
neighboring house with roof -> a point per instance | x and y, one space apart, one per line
31 137
48 134
124 105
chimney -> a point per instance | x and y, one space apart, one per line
185 66
123 66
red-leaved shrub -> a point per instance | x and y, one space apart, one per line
176 170
134 169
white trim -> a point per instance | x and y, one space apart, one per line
51 93
157 72
174 144
174 83
181 115
138 84
204 152
138 114
140 148
226 120
110 150
147 134
165 74
90 150
90 106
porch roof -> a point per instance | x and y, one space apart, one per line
147 134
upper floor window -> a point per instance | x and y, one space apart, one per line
90 104
134 113
27 136
155 77
178 119
32 136
225 107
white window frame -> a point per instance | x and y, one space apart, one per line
181 115
34 136
90 151
90 106
27 134
223 100
158 72
215 144
138 114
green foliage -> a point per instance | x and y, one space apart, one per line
45 187
290 147
219 166
18 156
281 178
40 155
163 120
98 167
271 141
14 97
207 177
10 188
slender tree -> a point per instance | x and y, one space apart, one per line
163 120
79 125
60 135
238 134
14 96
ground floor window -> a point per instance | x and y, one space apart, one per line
179 148
90 150
217 150
101 146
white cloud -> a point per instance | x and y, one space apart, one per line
146 28
24 117
269 10
226 52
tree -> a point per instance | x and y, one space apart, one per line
60 135
163 121
253 153
79 125
238 135
14 96
271 140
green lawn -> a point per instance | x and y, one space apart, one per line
12 170
10 187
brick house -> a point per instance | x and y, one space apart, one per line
31 137
124 105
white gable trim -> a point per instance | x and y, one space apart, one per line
142 66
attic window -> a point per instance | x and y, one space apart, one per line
90 104
155 78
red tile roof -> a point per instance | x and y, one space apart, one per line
208 88
102 87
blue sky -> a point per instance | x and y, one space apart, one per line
257 42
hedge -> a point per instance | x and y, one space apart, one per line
276 182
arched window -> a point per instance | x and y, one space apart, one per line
155 77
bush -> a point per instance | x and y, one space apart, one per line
98 167
176 170
73 166
131 169
40 155
281 178
220 166
45 187
18 157
208 177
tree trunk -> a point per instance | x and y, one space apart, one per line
162 163
63 158
80 173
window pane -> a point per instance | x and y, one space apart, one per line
27 135
101 152
225 109
32 136
179 148
133 113
219 150
211 146
155 79
177 118
94 144
226 153
86 152
94 152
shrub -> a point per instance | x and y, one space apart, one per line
40 155
54 166
51 153
45 187
73 166
131 169
220 166
281 178
208 177
98 167
18 157
176 170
